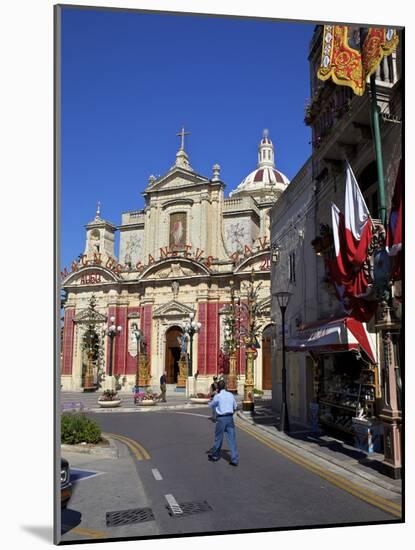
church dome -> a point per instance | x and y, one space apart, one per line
266 178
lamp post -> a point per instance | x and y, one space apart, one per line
283 299
112 332
191 328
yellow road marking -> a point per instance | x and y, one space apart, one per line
89 533
299 459
136 448
333 478
131 445
380 502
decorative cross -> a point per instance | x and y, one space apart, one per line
182 134
98 209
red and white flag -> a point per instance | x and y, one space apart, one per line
358 223
349 279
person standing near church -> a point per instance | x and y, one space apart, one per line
224 404
163 387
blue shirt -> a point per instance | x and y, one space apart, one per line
224 402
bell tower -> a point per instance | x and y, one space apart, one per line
100 236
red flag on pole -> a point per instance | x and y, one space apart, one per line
350 280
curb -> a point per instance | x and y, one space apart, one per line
286 440
139 409
105 452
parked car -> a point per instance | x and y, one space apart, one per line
66 485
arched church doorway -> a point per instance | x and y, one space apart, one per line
266 358
173 336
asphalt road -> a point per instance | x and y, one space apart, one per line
266 490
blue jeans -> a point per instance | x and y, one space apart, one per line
225 425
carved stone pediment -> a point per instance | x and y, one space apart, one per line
173 309
93 275
174 268
90 316
260 261
177 177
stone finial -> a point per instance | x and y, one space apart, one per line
216 172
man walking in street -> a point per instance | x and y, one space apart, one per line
163 387
225 405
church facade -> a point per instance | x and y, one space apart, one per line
178 258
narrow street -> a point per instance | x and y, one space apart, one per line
266 491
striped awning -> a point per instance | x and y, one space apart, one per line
334 335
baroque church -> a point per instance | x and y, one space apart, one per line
179 257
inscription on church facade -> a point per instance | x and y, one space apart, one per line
198 255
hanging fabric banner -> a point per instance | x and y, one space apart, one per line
350 54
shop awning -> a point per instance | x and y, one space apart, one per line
334 335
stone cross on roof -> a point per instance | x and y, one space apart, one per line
182 134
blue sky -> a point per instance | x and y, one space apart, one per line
129 82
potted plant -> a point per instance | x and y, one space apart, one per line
109 399
200 398
146 399
258 393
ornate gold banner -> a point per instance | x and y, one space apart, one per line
350 54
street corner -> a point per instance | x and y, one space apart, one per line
106 449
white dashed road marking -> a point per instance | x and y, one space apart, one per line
175 508
156 474
194 414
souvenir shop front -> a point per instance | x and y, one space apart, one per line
346 379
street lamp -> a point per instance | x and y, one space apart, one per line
283 298
191 328
112 332
275 253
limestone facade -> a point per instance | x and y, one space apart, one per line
178 256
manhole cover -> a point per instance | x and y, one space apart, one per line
126 517
189 508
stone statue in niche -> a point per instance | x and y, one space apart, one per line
175 288
94 244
